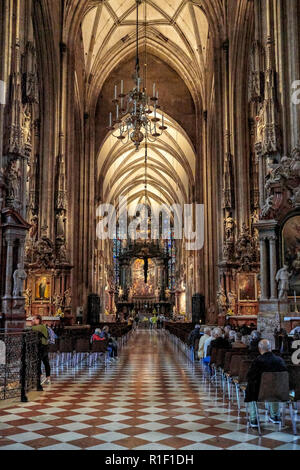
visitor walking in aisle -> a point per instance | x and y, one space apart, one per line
43 349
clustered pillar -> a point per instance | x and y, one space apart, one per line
268 258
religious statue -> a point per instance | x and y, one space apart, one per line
229 228
19 278
283 277
27 128
296 263
232 300
13 177
68 298
28 297
34 227
42 288
57 301
60 224
268 206
146 266
221 299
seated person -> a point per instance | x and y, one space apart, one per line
245 330
227 330
238 343
207 345
255 338
231 337
112 344
246 340
97 336
219 342
266 362
207 335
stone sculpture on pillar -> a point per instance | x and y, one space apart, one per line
232 300
221 299
283 277
19 278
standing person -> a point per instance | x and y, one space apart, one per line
193 338
112 344
43 349
136 320
207 333
153 321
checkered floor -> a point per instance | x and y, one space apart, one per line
153 398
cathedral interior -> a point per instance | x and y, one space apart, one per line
150 104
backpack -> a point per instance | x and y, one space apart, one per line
51 335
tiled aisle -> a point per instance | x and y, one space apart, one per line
152 399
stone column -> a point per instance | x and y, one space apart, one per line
261 183
292 12
21 251
264 268
273 267
9 268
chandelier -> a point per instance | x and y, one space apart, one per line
136 115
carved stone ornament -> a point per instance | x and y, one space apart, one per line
40 253
282 187
246 249
221 299
57 301
232 300
12 177
68 298
283 279
229 227
61 254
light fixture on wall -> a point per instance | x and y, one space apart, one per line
136 115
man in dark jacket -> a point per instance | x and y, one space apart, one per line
219 342
194 336
266 362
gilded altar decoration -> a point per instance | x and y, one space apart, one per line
291 253
59 313
140 288
43 289
247 287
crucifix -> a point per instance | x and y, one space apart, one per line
146 265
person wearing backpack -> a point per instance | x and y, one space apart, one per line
52 337
43 349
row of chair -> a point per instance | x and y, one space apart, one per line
229 368
73 351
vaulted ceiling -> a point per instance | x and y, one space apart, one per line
179 26
170 169
177 32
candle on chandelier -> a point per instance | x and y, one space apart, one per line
117 111
154 89
122 87
110 120
116 91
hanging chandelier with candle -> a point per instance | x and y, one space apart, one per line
136 116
